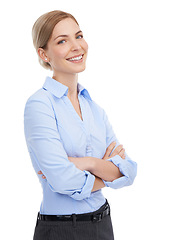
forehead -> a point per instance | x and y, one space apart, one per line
67 27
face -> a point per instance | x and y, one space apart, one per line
66 49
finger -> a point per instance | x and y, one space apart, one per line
121 154
109 149
117 150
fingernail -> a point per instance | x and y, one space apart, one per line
39 172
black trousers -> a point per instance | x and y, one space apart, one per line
81 230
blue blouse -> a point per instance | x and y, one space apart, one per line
54 131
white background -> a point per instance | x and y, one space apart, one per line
133 72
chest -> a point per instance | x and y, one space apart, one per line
77 108
81 128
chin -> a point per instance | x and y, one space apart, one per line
80 69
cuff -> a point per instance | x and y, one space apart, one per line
127 167
86 190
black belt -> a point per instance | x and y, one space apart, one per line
94 216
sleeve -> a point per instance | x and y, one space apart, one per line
126 166
44 144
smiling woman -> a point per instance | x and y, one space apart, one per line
72 145
61 50
49 41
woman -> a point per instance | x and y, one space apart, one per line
73 148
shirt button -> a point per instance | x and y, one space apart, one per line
89 148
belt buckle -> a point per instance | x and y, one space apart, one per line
97 217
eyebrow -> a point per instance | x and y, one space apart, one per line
67 35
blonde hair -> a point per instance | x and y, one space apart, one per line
43 28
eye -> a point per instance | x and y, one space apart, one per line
62 41
80 36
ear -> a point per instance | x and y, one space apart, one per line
42 54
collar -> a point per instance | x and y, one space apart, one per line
59 90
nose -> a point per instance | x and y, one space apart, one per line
75 45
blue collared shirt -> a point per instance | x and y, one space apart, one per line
54 131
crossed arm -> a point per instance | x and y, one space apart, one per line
101 168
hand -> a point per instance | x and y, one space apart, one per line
40 172
118 151
86 163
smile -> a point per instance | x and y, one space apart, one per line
76 59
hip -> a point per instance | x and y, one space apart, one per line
91 226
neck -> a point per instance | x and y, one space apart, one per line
69 80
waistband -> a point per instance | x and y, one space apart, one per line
95 216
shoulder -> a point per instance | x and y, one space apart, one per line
40 95
38 100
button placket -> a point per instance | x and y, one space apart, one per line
89 150
87 125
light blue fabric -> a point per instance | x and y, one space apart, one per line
54 132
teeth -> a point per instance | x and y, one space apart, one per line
76 58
